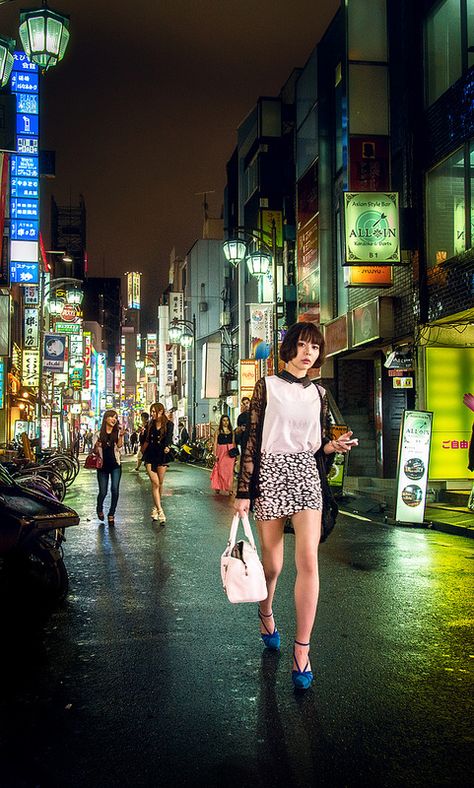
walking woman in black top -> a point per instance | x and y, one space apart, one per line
156 455
108 446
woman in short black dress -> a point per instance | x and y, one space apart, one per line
156 455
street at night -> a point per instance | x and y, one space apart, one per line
237 240
147 676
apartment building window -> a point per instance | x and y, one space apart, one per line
449 203
449 45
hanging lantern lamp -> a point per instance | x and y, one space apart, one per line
234 251
44 35
7 48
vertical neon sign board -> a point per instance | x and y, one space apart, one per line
24 174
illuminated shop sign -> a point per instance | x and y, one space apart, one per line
24 273
450 375
87 360
413 462
31 327
54 352
101 373
176 304
133 290
30 367
2 383
31 295
24 230
24 187
371 228
67 328
24 174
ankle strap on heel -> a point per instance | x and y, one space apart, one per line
298 642
264 615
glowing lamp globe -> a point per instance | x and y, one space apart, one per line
44 35
7 48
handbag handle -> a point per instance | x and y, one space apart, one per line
247 528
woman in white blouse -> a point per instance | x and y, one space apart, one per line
281 478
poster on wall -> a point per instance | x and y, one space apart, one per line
261 324
413 463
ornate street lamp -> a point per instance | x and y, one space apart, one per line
74 296
183 332
259 263
234 251
7 48
44 35
175 333
55 305
186 341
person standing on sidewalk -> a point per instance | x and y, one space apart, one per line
289 426
242 424
156 455
108 446
222 475
144 416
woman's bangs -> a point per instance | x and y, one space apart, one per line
310 334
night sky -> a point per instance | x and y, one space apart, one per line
144 108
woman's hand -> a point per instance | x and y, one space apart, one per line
341 445
241 506
468 400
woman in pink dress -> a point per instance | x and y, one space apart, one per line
222 476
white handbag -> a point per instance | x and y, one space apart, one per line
242 573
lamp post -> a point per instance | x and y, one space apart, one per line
183 332
72 295
259 263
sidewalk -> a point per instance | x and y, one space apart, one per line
438 516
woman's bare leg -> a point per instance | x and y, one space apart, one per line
307 525
155 485
161 476
270 534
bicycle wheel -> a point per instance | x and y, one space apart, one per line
64 466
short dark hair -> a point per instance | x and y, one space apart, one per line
308 332
145 415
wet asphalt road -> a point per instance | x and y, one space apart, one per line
147 676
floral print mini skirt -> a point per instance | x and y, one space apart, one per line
288 484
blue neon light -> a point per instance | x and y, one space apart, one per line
24 209
24 187
28 145
24 83
22 230
24 273
27 102
24 171
27 124
25 166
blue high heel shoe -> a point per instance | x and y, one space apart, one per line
302 679
271 639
